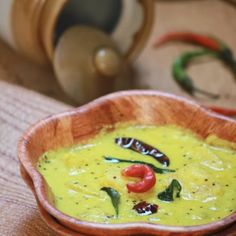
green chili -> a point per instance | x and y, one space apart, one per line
182 78
213 46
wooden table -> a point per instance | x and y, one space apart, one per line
19 107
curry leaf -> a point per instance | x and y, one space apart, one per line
155 169
169 194
115 198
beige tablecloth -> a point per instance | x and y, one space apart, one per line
19 108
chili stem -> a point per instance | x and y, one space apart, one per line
208 94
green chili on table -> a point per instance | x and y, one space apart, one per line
213 46
182 78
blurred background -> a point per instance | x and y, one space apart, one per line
151 69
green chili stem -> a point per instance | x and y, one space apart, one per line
209 94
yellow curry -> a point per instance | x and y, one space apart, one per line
206 174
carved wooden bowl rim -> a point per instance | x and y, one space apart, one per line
40 186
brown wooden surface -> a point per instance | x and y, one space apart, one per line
19 108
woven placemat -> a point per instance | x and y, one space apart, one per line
19 108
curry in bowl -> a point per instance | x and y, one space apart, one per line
160 174
133 163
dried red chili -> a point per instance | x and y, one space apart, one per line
142 148
143 208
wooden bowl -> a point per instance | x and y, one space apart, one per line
50 220
135 107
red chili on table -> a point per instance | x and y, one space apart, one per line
199 39
223 111
147 175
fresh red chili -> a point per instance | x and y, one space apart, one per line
223 111
205 41
147 175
